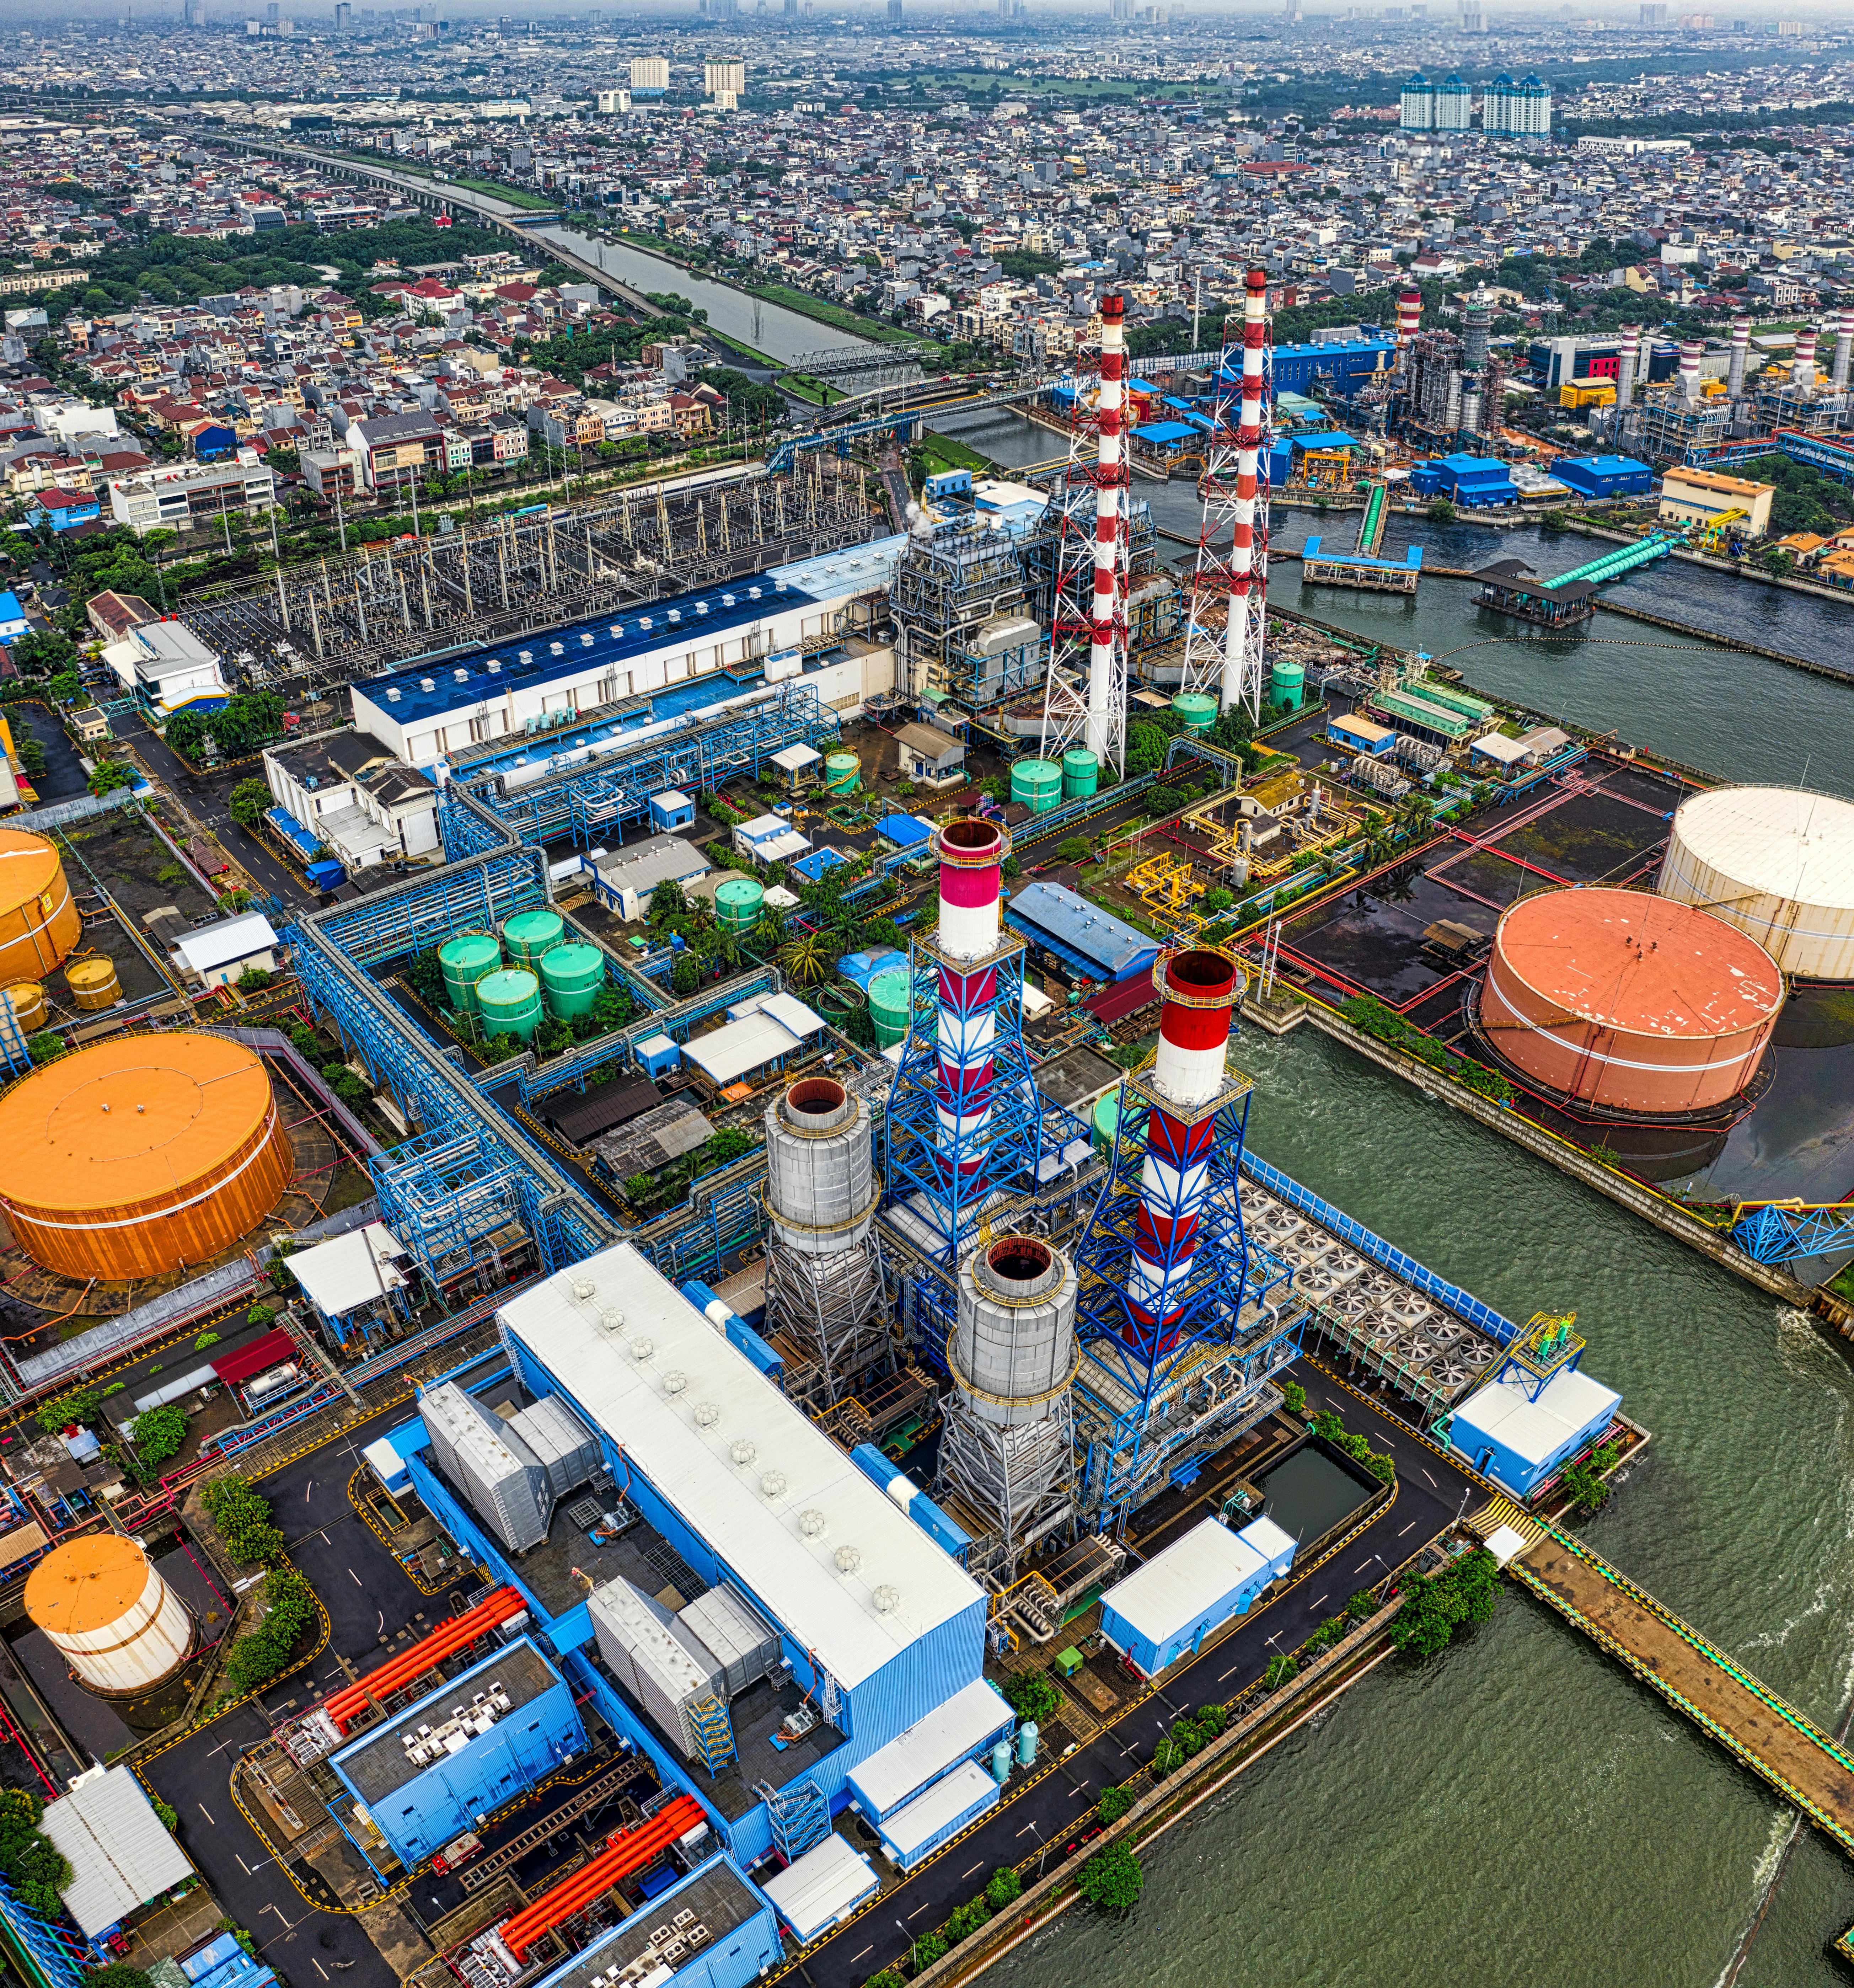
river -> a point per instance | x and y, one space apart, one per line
771 329
1517 1812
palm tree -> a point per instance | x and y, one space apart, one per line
808 959
769 933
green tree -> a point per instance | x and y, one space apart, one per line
1294 1397
242 1516
667 901
43 652
1435 1606
78 1405
1031 1696
159 1433
250 802
1112 1879
119 1973
1003 1888
1440 510
33 760
638 1188
1115 1802
30 1862
289 1609
1075 849
807 960
1280 1669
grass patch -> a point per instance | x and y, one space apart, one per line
940 451
807 306
814 391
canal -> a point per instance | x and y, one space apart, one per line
1517 1811
769 328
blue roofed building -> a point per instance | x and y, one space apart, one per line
13 622
1085 939
1604 476
1342 367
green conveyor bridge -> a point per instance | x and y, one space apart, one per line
1623 558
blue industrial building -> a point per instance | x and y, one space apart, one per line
1343 367
1470 480
1519 1436
463 1751
1090 942
738 1940
1604 476
1166 1607
858 1623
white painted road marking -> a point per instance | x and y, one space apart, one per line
356 1578
205 1811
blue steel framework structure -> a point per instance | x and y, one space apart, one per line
946 1177
903 426
1770 1233
49 1955
442 1192
584 801
1221 1314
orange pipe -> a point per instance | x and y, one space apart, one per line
348 1703
625 1851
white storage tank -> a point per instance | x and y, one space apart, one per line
100 1601
1776 862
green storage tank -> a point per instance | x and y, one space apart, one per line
1198 711
737 904
509 1002
842 773
529 934
1037 783
890 1003
1081 774
463 961
1288 684
571 977
1106 1121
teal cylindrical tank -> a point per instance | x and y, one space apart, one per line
509 1002
1080 773
463 961
1198 711
1037 783
1000 1762
1026 1743
1106 1121
737 904
1288 684
529 934
571 977
890 1003
842 773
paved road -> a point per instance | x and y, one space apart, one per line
207 797
1429 1494
367 1596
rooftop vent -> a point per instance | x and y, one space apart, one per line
846 1560
612 1319
585 638
393 694
425 683
773 1484
675 613
675 1381
744 1453
707 1415
886 1599
494 666
462 676
528 656
701 607
556 648
811 1523
584 1289
727 600
642 1349
753 593
643 621
617 631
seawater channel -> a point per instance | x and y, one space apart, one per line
1517 1813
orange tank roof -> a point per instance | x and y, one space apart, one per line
87 1585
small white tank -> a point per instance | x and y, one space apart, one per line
122 1628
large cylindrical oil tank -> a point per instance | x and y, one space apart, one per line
119 1626
570 977
26 999
1012 1353
509 1002
39 921
820 1167
1198 711
1620 998
528 934
842 773
1287 683
1037 784
1776 862
463 961
136 1157
94 983
1080 773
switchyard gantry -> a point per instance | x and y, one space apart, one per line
332 620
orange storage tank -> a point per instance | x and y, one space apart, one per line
39 920
139 1156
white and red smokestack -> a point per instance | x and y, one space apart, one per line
1844 350
1109 527
1740 355
1625 366
971 853
1200 986
1690 370
1803 374
1409 315
1236 660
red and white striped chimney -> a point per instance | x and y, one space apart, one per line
1108 528
1625 366
1690 369
1236 662
1201 985
1844 350
1409 315
1740 355
1802 372
972 852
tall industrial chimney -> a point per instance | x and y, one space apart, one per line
1740 352
1802 373
1478 319
1241 668
1690 371
1007 1445
1844 349
1625 367
824 1284
1106 731
1409 315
